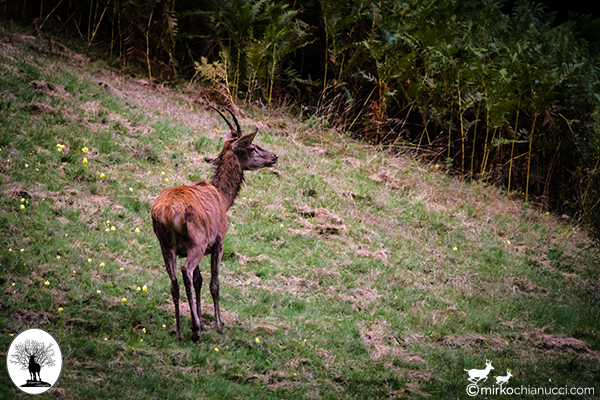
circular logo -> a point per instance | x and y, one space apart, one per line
34 361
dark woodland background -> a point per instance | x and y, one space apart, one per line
505 92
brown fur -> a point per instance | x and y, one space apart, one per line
191 221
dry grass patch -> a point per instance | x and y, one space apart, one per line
477 341
559 345
523 284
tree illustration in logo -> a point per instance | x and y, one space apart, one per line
32 355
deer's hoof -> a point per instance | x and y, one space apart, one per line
195 336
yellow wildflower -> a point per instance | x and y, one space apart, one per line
112 228
22 207
102 175
454 248
47 283
60 309
144 288
85 149
138 289
89 260
257 340
216 350
102 265
137 230
98 291
124 300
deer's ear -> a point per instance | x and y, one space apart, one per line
244 141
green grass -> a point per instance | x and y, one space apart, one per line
363 274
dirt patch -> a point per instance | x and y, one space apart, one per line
17 191
91 107
42 108
320 272
308 228
361 295
325 222
297 283
236 280
91 205
352 161
560 345
319 213
380 341
243 260
387 177
523 284
51 89
476 340
381 254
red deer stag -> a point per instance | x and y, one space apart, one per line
191 221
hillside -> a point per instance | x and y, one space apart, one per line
362 274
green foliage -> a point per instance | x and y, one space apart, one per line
507 94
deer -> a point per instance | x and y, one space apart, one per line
34 368
477 375
504 379
191 221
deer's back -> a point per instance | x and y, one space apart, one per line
189 216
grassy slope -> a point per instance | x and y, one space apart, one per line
363 275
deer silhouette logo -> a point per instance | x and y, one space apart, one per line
32 352
500 380
34 368
479 375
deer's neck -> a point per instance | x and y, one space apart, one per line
228 178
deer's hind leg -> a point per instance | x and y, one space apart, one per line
197 287
215 262
191 263
171 266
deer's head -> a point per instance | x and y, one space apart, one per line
249 155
